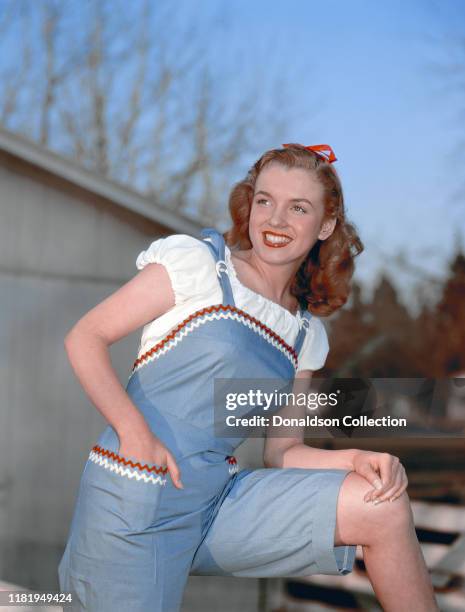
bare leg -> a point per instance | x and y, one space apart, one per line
392 554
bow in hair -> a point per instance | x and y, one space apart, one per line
323 150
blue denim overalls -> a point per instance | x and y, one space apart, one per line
135 537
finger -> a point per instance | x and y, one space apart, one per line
398 488
371 475
392 490
388 465
399 493
401 485
375 482
394 463
174 471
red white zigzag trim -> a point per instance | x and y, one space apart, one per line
211 313
125 467
233 467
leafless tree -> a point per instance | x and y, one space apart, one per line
131 94
448 72
13 75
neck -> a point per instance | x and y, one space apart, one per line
273 280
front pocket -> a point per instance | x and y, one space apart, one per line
129 468
128 489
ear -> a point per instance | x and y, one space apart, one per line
327 228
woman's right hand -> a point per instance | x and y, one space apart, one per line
147 448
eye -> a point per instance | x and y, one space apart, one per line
301 208
261 200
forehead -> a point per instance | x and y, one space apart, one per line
279 180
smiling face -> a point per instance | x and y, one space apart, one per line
287 213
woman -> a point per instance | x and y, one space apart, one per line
161 496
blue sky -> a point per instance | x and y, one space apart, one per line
361 73
358 75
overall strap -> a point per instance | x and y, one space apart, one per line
214 239
305 322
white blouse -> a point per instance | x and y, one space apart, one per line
191 267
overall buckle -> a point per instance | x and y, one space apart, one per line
221 266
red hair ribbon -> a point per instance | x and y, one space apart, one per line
320 150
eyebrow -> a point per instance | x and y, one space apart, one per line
291 200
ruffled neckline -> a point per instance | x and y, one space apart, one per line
295 317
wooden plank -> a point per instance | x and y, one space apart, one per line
444 561
433 553
439 517
452 563
447 602
355 582
451 602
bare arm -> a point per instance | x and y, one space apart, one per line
145 297
284 452
382 470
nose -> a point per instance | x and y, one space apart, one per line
277 217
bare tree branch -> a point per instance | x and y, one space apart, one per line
137 99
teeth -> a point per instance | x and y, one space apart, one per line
273 238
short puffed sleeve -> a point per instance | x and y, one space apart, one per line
189 263
315 347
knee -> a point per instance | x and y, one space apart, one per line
373 523
388 519
400 510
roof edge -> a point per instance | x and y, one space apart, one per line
45 159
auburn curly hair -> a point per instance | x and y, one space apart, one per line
322 283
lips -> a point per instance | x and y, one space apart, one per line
276 240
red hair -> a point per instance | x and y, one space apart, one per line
322 283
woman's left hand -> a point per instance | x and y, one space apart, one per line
384 471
